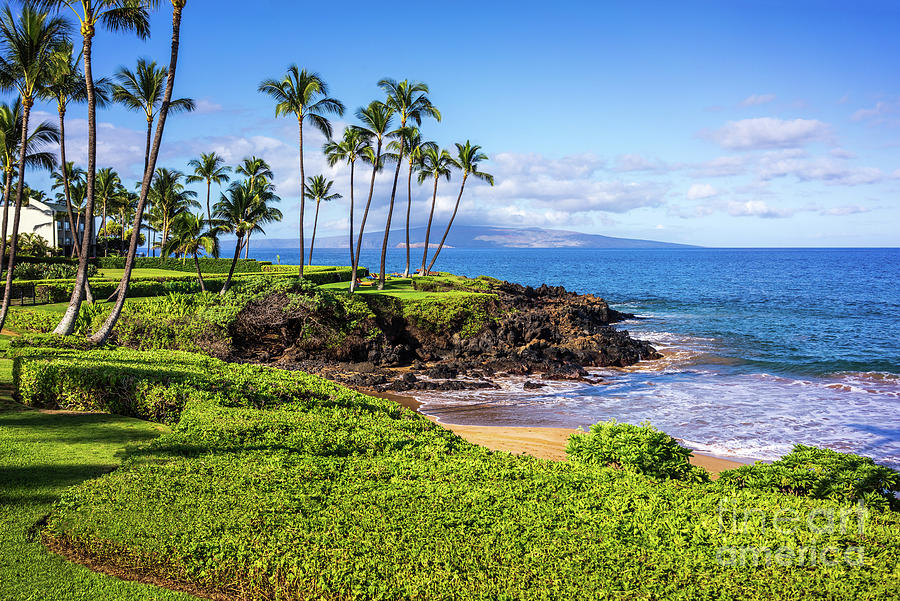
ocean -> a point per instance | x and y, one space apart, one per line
764 348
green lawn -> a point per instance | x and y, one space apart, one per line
399 287
41 454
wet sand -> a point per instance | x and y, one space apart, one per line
545 443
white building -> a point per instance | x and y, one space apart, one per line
48 220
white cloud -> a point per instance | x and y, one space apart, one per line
757 208
846 210
205 106
700 191
768 132
757 99
831 171
877 114
636 162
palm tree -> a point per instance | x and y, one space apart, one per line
319 189
189 238
71 177
103 333
142 90
36 157
434 163
467 158
27 41
116 15
351 147
209 168
304 95
241 211
410 102
65 85
171 199
254 169
108 188
376 119
415 149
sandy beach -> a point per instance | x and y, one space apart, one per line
545 443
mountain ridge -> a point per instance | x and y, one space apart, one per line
471 236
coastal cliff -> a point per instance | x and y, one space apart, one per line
454 333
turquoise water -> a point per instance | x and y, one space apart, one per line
764 347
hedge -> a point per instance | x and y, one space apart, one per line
58 291
283 485
207 264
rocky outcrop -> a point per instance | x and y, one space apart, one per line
546 330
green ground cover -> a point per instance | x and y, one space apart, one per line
283 485
42 454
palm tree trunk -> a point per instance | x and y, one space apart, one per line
387 227
247 245
362 226
428 229
67 323
408 210
352 165
312 242
302 193
237 254
208 210
199 273
450 224
147 144
65 175
6 188
13 243
107 327
105 233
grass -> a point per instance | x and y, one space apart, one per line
42 454
401 288
284 485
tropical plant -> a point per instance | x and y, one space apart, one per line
467 158
415 149
108 188
376 124
142 90
352 146
434 163
73 178
170 199
209 168
103 333
190 238
36 155
319 189
27 41
65 85
240 211
410 102
33 245
305 95
115 15
256 170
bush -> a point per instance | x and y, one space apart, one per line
207 264
462 313
641 449
283 485
49 271
821 474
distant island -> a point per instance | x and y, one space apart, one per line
469 236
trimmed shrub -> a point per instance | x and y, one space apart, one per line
641 449
822 474
207 264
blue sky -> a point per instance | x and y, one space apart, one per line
715 123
